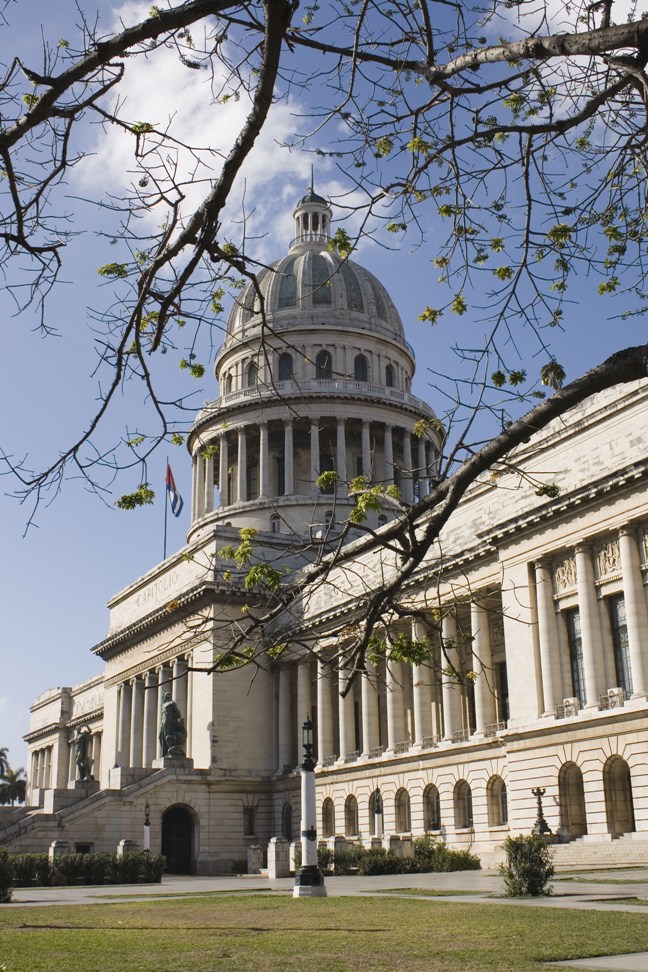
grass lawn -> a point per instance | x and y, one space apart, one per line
264 932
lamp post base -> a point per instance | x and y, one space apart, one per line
309 882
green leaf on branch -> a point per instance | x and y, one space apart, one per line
142 496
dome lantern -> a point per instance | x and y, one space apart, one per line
312 219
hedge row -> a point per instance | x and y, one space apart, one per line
25 870
430 854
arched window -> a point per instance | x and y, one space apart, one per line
251 374
389 376
351 828
382 520
324 365
463 809
287 821
285 371
403 815
228 385
360 368
328 818
275 523
497 802
431 808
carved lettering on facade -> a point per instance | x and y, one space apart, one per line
608 558
565 575
157 591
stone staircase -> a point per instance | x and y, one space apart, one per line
630 850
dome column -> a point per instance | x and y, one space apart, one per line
389 456
241 471
315 452
422 469
366 449
263 459
209 483
223 473
341 464
289 461
408 492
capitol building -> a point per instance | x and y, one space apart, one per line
534 608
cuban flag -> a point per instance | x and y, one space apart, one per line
175 499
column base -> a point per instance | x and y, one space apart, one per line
309 882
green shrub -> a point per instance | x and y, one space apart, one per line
379 861
528 868
30 869
431 854
6 876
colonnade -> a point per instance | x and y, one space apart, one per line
251 444
140 708
582 580
41 768
396 706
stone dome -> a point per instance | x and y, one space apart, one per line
313 286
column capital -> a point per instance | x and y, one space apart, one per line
628 530
583 547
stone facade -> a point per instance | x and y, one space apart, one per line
538 604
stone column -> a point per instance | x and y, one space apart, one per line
552 683
590 622
482 665
96 755
389 456
48 768
241 468
284 723
209 484
200 484
189 704
422 691
289 459
179 691
149 746
366 449
194 488
223 472
422 468
315 453
123 739
304 698
346 715
263 459
340 461
450 688
324 712
395 710
137 720
636 611
408 492
370 711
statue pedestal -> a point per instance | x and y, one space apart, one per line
181 763
84 786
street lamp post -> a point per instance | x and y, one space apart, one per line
309 880
378 815
147 828
540 826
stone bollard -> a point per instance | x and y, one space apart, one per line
254 859
278 858
58 848
126 846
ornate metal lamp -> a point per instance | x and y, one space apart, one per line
309 880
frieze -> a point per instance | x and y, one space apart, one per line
87 704
565 575
608 558
155 661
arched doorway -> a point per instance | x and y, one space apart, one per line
617 787
177 840
573 819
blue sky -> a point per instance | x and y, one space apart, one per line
55 579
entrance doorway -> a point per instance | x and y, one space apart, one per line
618 797
573 819
177 840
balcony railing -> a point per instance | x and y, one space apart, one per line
493 728
352 757
376 752
329 761
461 735
429 742
569 707
402 747
614 699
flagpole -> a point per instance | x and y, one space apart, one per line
166 503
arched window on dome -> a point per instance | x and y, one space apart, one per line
360 368
285 369
389 376
228 385
324 365
251 374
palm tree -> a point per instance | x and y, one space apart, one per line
12 786
4 762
